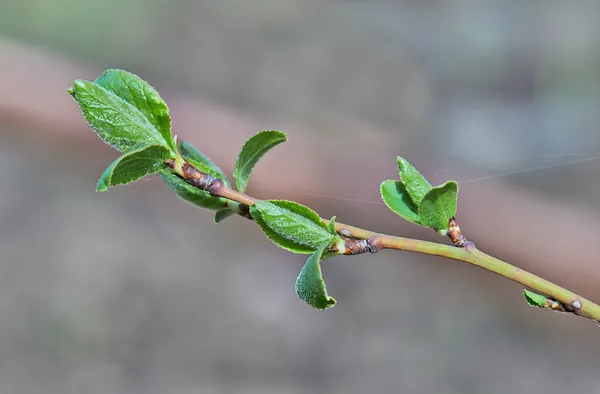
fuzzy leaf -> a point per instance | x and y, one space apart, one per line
439 206
534 299
202 162
284 243
396 198
414 183
117 122
142 96
223 214
133 166
253 150
310 286
191 194
290 225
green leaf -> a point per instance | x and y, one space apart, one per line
439 206
534 299
310 286
223 214
116 121
253 150
396 198
276 238
414 183
191 194
133 166
142 96
202 162
332 225
291 226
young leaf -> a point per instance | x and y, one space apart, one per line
133 166
253 150
310 286
414 183
117 122
396 198
534 299
202 162
223 214
191 194
142 96
439 206
291 226
332 225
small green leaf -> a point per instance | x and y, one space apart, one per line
133 166
202 162
116 121
142 96
253 150
291 226
439 206
396 198
534 299
223 214
332 225
191 194
415 184
310 286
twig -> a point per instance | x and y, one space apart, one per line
359 241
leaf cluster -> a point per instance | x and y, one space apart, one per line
129 115
414 199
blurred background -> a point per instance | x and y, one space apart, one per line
134 291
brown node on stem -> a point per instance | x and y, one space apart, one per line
555 305
244 210
170 163
359 246
574 307
196 178
455 234
356 246
375 243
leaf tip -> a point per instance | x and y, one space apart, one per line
280 134
403 165
534 299
330 303
78 83
384 184
452 184
252 150
332 225
101 186
222 214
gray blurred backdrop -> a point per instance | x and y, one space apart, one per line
133 291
